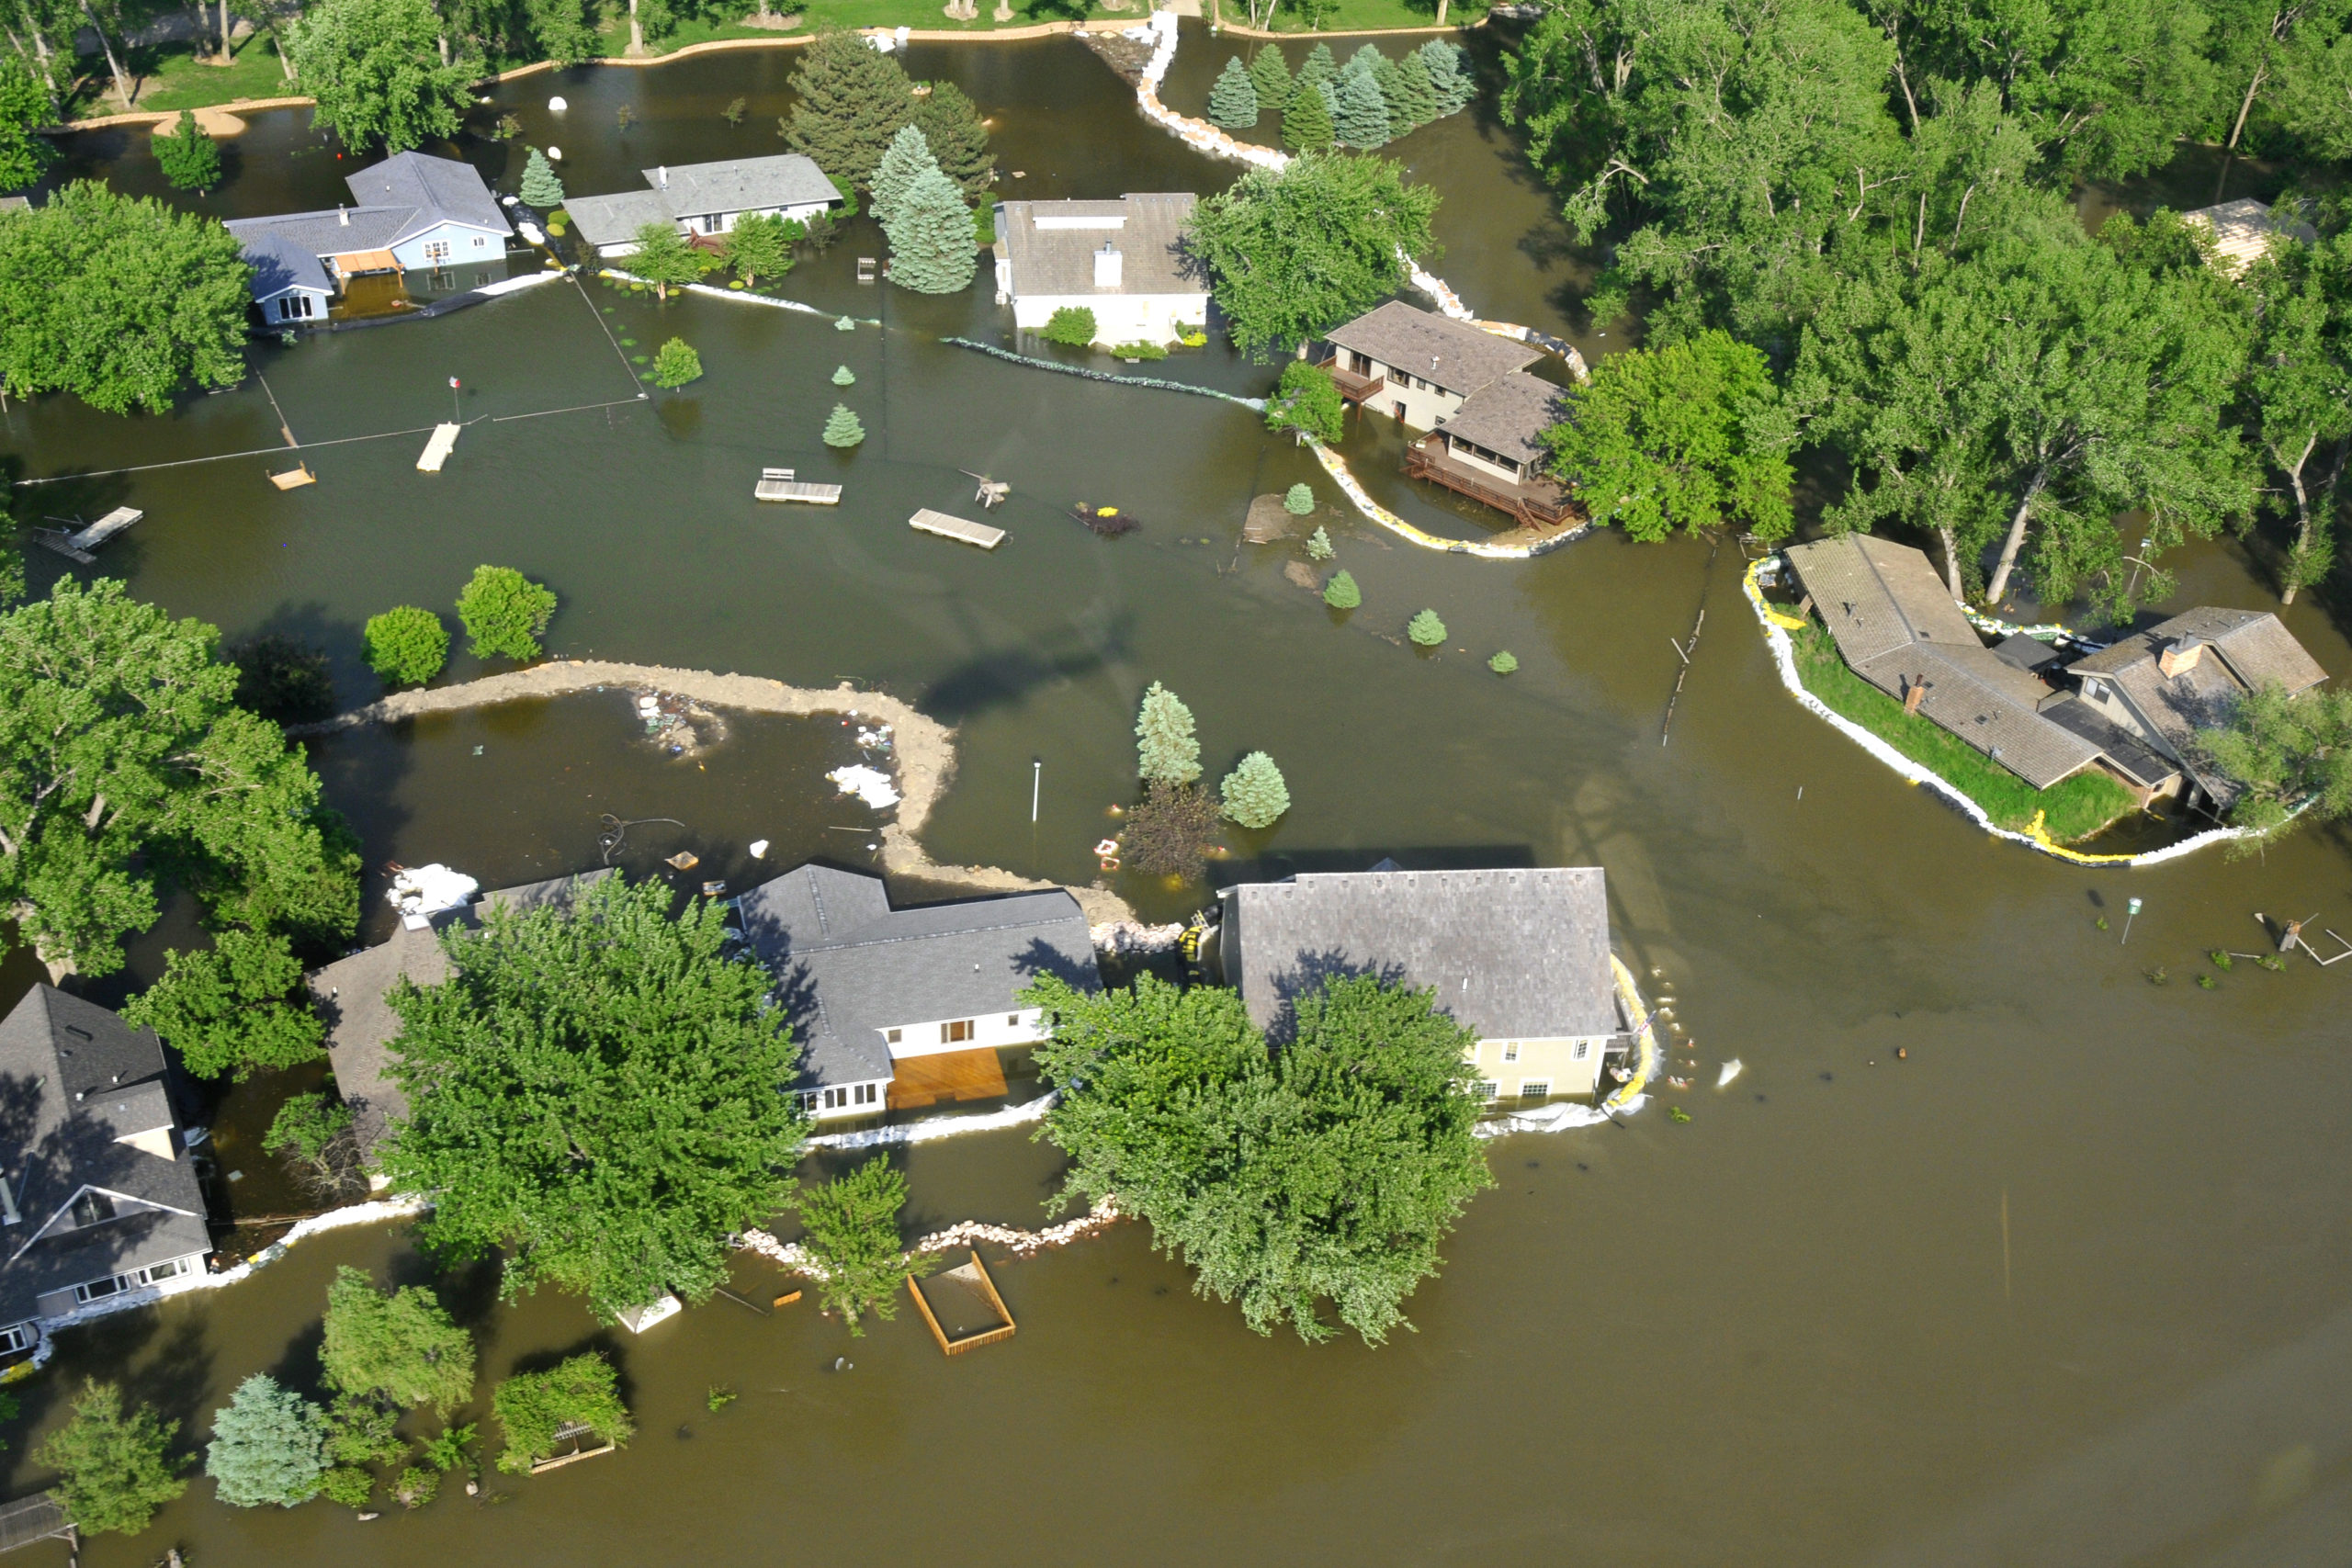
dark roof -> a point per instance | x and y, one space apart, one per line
848 966
351 993
740 184
282 266
1051 259
2124 751
1515 954
1509 415
2032 655
1897 625
1442 351
74 1081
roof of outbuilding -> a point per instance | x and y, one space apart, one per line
1445 353
741 185
1509 415
1052 261
2244 229
1515 954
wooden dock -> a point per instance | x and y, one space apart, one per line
37 1518
778 484
974 1276
295 477
77 546
957 528
437 450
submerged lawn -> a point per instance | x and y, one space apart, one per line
2073 809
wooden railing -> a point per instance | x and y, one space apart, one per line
1355 388
1526 503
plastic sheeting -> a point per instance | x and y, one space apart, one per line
869 785
426 890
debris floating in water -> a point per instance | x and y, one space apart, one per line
684 860
1729 1071
759 848
424 892
869 785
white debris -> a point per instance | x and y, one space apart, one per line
637 1320
869 785
1729 1071
1122 937
530 233
759 848
557 105
426 890
555 154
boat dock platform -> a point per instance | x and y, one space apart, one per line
956 528
78 544
437 450
777 484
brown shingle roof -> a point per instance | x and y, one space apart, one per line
1508 414
1053 261
1445 353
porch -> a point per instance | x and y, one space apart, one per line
1353 389
1535 502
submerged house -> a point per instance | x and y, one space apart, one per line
412 213
704 199
98 1192
898 1008
1519 956
1122 260
2245 231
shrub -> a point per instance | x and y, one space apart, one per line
111 1471
1166 748
1426 629
416 1487
852 1234
1318 545
268 1446
1254 792
1139 351
1341 593
532 1407
1072 326
504 613
676 362
1171 831
842 428
1299 499
844 376
1502 664
347 1484
447 1452
282 680
406 646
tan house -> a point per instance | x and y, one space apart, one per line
2243 231
1415 367
1520 957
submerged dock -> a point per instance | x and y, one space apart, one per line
78 544
778 484
957 528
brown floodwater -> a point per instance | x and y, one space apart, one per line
2069 1284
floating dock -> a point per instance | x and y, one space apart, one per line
294 477
437 450
957 528
981 1317
777 484
78 544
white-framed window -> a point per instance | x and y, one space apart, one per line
1584 1049
1013 1020
1510 1051
12 1340
836 1099
296 307
1534 1088
893 1035
952 1033
1486 1088
99 1289
868 1094
438 251
153 1274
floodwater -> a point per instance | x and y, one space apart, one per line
2069 1284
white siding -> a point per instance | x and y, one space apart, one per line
1011 1026
1118 318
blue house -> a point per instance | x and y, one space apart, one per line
412 213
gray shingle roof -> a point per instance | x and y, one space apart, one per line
337 232
1442 351
741 185
1515 954
615 219
282 266
74 1078
1508 414
848 966
1056 261
2124 751
437 189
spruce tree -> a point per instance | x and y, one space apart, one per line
908 155
1362 120
1449 75
1319 67
1415 101
1270 75
1166 751
540 187
852 100
1426 629
1299 499
1367 57
1233 102
844 376
268 1446
1318 545
1391 93
958 139
931 248
1341 593
842 428
1306 124
1254 794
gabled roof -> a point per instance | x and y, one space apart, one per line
341 232
438 191
615 219
1515 954
741 185
1509 415
1051 244
1445 353
848 966
282 266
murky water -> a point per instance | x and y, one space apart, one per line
2066 1285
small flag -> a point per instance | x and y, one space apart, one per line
453 383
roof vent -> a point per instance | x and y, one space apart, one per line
343 215
662 176
2181 657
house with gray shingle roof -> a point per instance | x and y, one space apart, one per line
99 1195
880 995
1418 366
1122 260
413 212
704 199
1520 957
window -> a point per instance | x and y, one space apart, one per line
17 1339
1534 1088
1487 1089
867 1093
949 1033
1584 1049
99 1289
478 241
296 307
836 1099
93 1209
172 1270
1510 1050
893 1035
438 251
1013 1020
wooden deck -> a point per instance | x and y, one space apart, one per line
959 528
951 1076
778 484
1539 504
1354 389
37 1518
974 1275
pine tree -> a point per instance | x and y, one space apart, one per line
1341 593
852 100
1448 76
1416 100
931 248
676 362
1166 751
1426 629
540 187
844 376
1254 792
1320 66
191 160
1270 75
1386 77
1299 499
1367 57
1233 102
908 156
842 428
1318 545
268 1446
1306 124
958 139
1363 118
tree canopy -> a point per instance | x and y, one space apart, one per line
532 1407
505 612
597 1092
225 1009
268 1446
113 1465
850 1230
24 106
400 1345
850 100
2286 754
377 70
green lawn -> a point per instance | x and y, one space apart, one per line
1358 15
2074 809
171 77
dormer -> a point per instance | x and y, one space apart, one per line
140 1115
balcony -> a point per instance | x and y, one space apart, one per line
1536 503
1354 389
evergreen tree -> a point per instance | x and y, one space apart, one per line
268 1446
1426 629
540 187
1502 664
1341 593
1318 545
1449 75
111 1471
191 160
852 100
1166 751
1306 124
842 428
1319 67
958 139
1363 118
676 362
844 376
1416 95
1270 75
908 156
1233 101
1254 792
931 248
1367 57
1299 499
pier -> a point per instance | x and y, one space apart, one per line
778 484
957 528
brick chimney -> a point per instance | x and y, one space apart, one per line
2181 657
1914 694
1106 266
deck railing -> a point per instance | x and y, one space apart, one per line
1355 388
1529 504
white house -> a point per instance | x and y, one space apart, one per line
1124 259
413 212
704 199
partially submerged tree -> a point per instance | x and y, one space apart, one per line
958 139
379 74
850 1229
906 159
399 1346
2300 386
1269 79
931 247
191 159
1233 97
533 1407
284 681
1361 120
1254 792
2291 756
760 245
504 613
1167 751
406 645
676 362
541 188
268 1446
113 1464
1425 629
314 1135
1341 593
1306 122
226 1009
26 104
1299 499
1308 401
843 430
664 258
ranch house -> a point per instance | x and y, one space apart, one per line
705 201
1122 260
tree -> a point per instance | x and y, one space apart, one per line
111 1464
1171 831
1072 326
1233 99
191 160
532 1407
2315 107
376 70
399 1346
225 1009
360 1430
1363 119
1291 254
541 188
1689 435
406 645
563 31
760 244
1326 1170
118 301
504 613
1449 75
1306 123
1318 545
676 362
1254 792
850 1229
1426 629
1166 750
1341 593
843 376
664 258
597 1092
268 1446
1416 95
1269 79
842 428
25 105
2298 382
282 680
126 765
1308 401
1299 499
906 157
2290 757
1319 67
1503 663
850 100
958 139
314 1135
932 250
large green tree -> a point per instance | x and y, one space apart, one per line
958 139
931 248
2288 754
2299 387
533 1407
1292 254
268 1446
377 68
119 300
664 259
125 764
399 1346
113 1465
1327 1170
25 105
850 1230
598 1093
226 1009
850 100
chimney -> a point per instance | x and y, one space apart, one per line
343 215
2181 657
1916 693
1106 266
662 176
